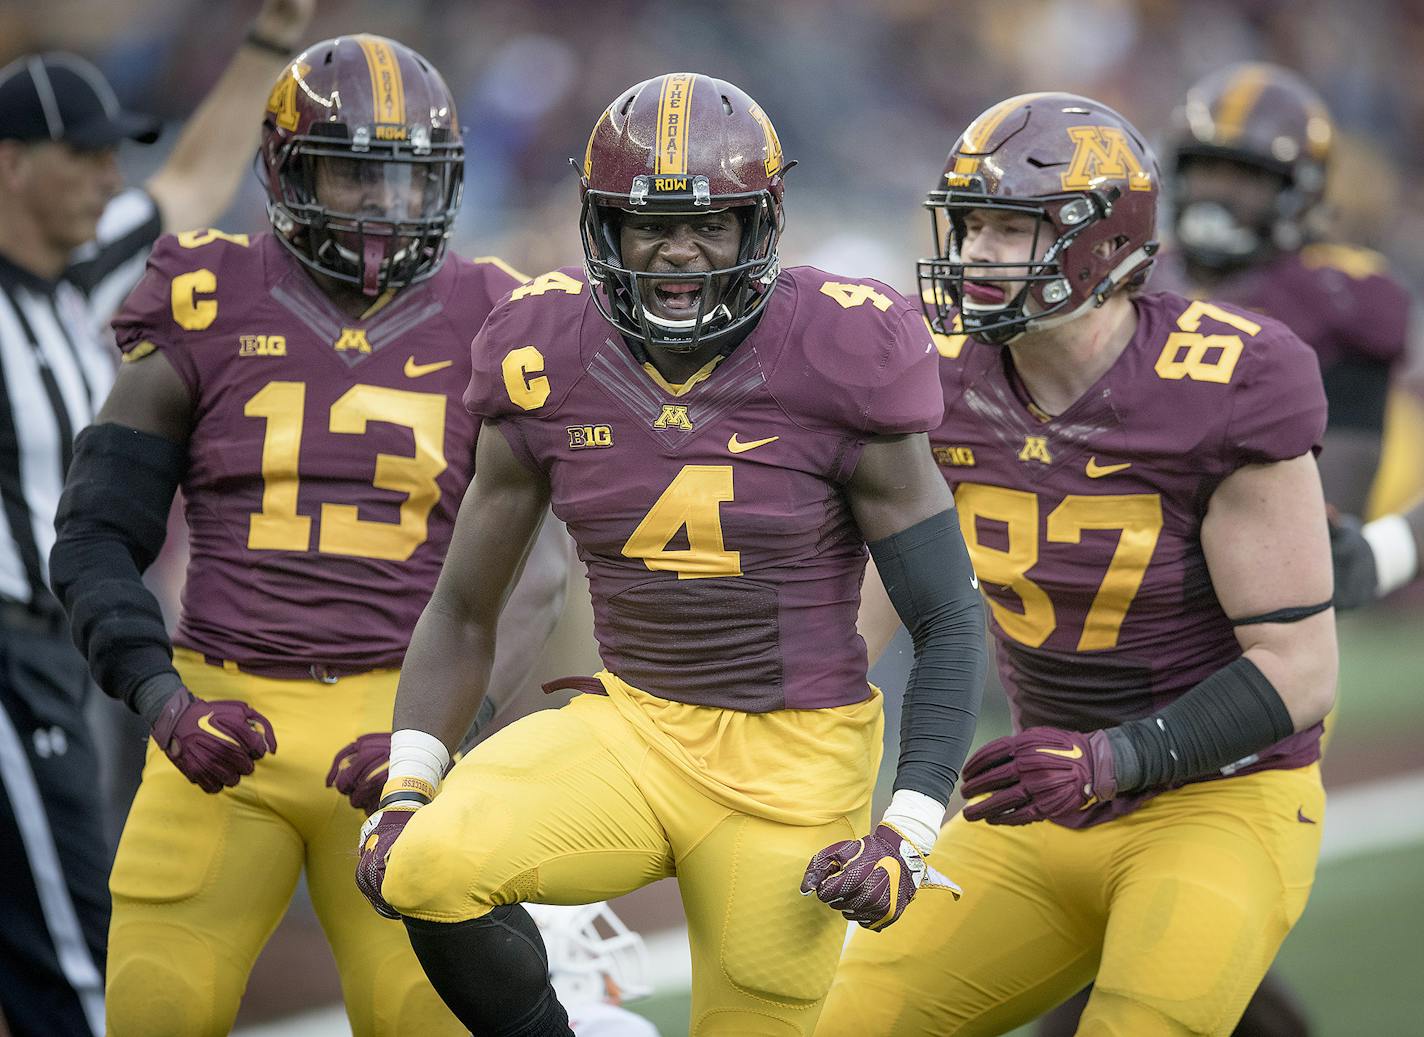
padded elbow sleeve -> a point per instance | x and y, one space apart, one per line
111 524
930 581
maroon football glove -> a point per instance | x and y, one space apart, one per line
359 770
1040 773
212 743
870 880
378 835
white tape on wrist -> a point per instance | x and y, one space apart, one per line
917 817
1391 541
418 754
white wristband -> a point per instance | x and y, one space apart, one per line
1391 541
916 816
418 754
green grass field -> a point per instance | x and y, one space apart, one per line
1355 956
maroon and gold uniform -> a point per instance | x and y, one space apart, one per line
1085 531
738 734
328 456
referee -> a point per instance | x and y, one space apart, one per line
72 244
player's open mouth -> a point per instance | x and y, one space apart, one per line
680 298
985 294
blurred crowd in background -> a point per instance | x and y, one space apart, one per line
867 96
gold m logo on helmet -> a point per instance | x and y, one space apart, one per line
674 416
1102 153
282 101
1035 448
774 160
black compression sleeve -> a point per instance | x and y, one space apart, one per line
1226 718
930 580
111 523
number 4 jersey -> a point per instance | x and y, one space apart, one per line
328 454
1085 528
723 560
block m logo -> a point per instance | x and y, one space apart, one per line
674 416
1035 448
1102 153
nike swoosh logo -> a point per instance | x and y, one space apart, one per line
974 581
414 370
1097 471
736 446
1300 816
1068 754
205 723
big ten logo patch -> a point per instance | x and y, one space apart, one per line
262 345
588 437
954 456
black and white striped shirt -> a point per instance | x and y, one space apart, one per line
56 366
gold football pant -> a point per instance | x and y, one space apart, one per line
1175 909
575 805
201 881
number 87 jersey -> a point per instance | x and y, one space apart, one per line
1085 527
724 564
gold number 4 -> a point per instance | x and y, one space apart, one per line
1138 516
1174 364
849 295
278 526
693 499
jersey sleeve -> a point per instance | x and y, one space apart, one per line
1367 309
1278 401
178 298
499 278
864 362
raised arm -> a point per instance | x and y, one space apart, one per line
215 149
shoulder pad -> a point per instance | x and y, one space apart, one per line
527 355
181 290
857 356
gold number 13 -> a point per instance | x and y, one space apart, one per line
1137 515
278 527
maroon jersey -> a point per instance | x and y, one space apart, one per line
1339 299
1085 529
328 454
723 561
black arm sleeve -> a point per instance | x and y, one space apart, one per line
111 523
1226 718
930 580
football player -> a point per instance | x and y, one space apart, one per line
1135 481
1249 155
303 388
723 438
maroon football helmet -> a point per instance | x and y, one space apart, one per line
1086 176
683 144
363 162
1265 118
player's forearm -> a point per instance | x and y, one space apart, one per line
930 581
214 150
445 673
531 613
111 524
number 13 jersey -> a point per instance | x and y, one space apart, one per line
1085 528
723 561
328 453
